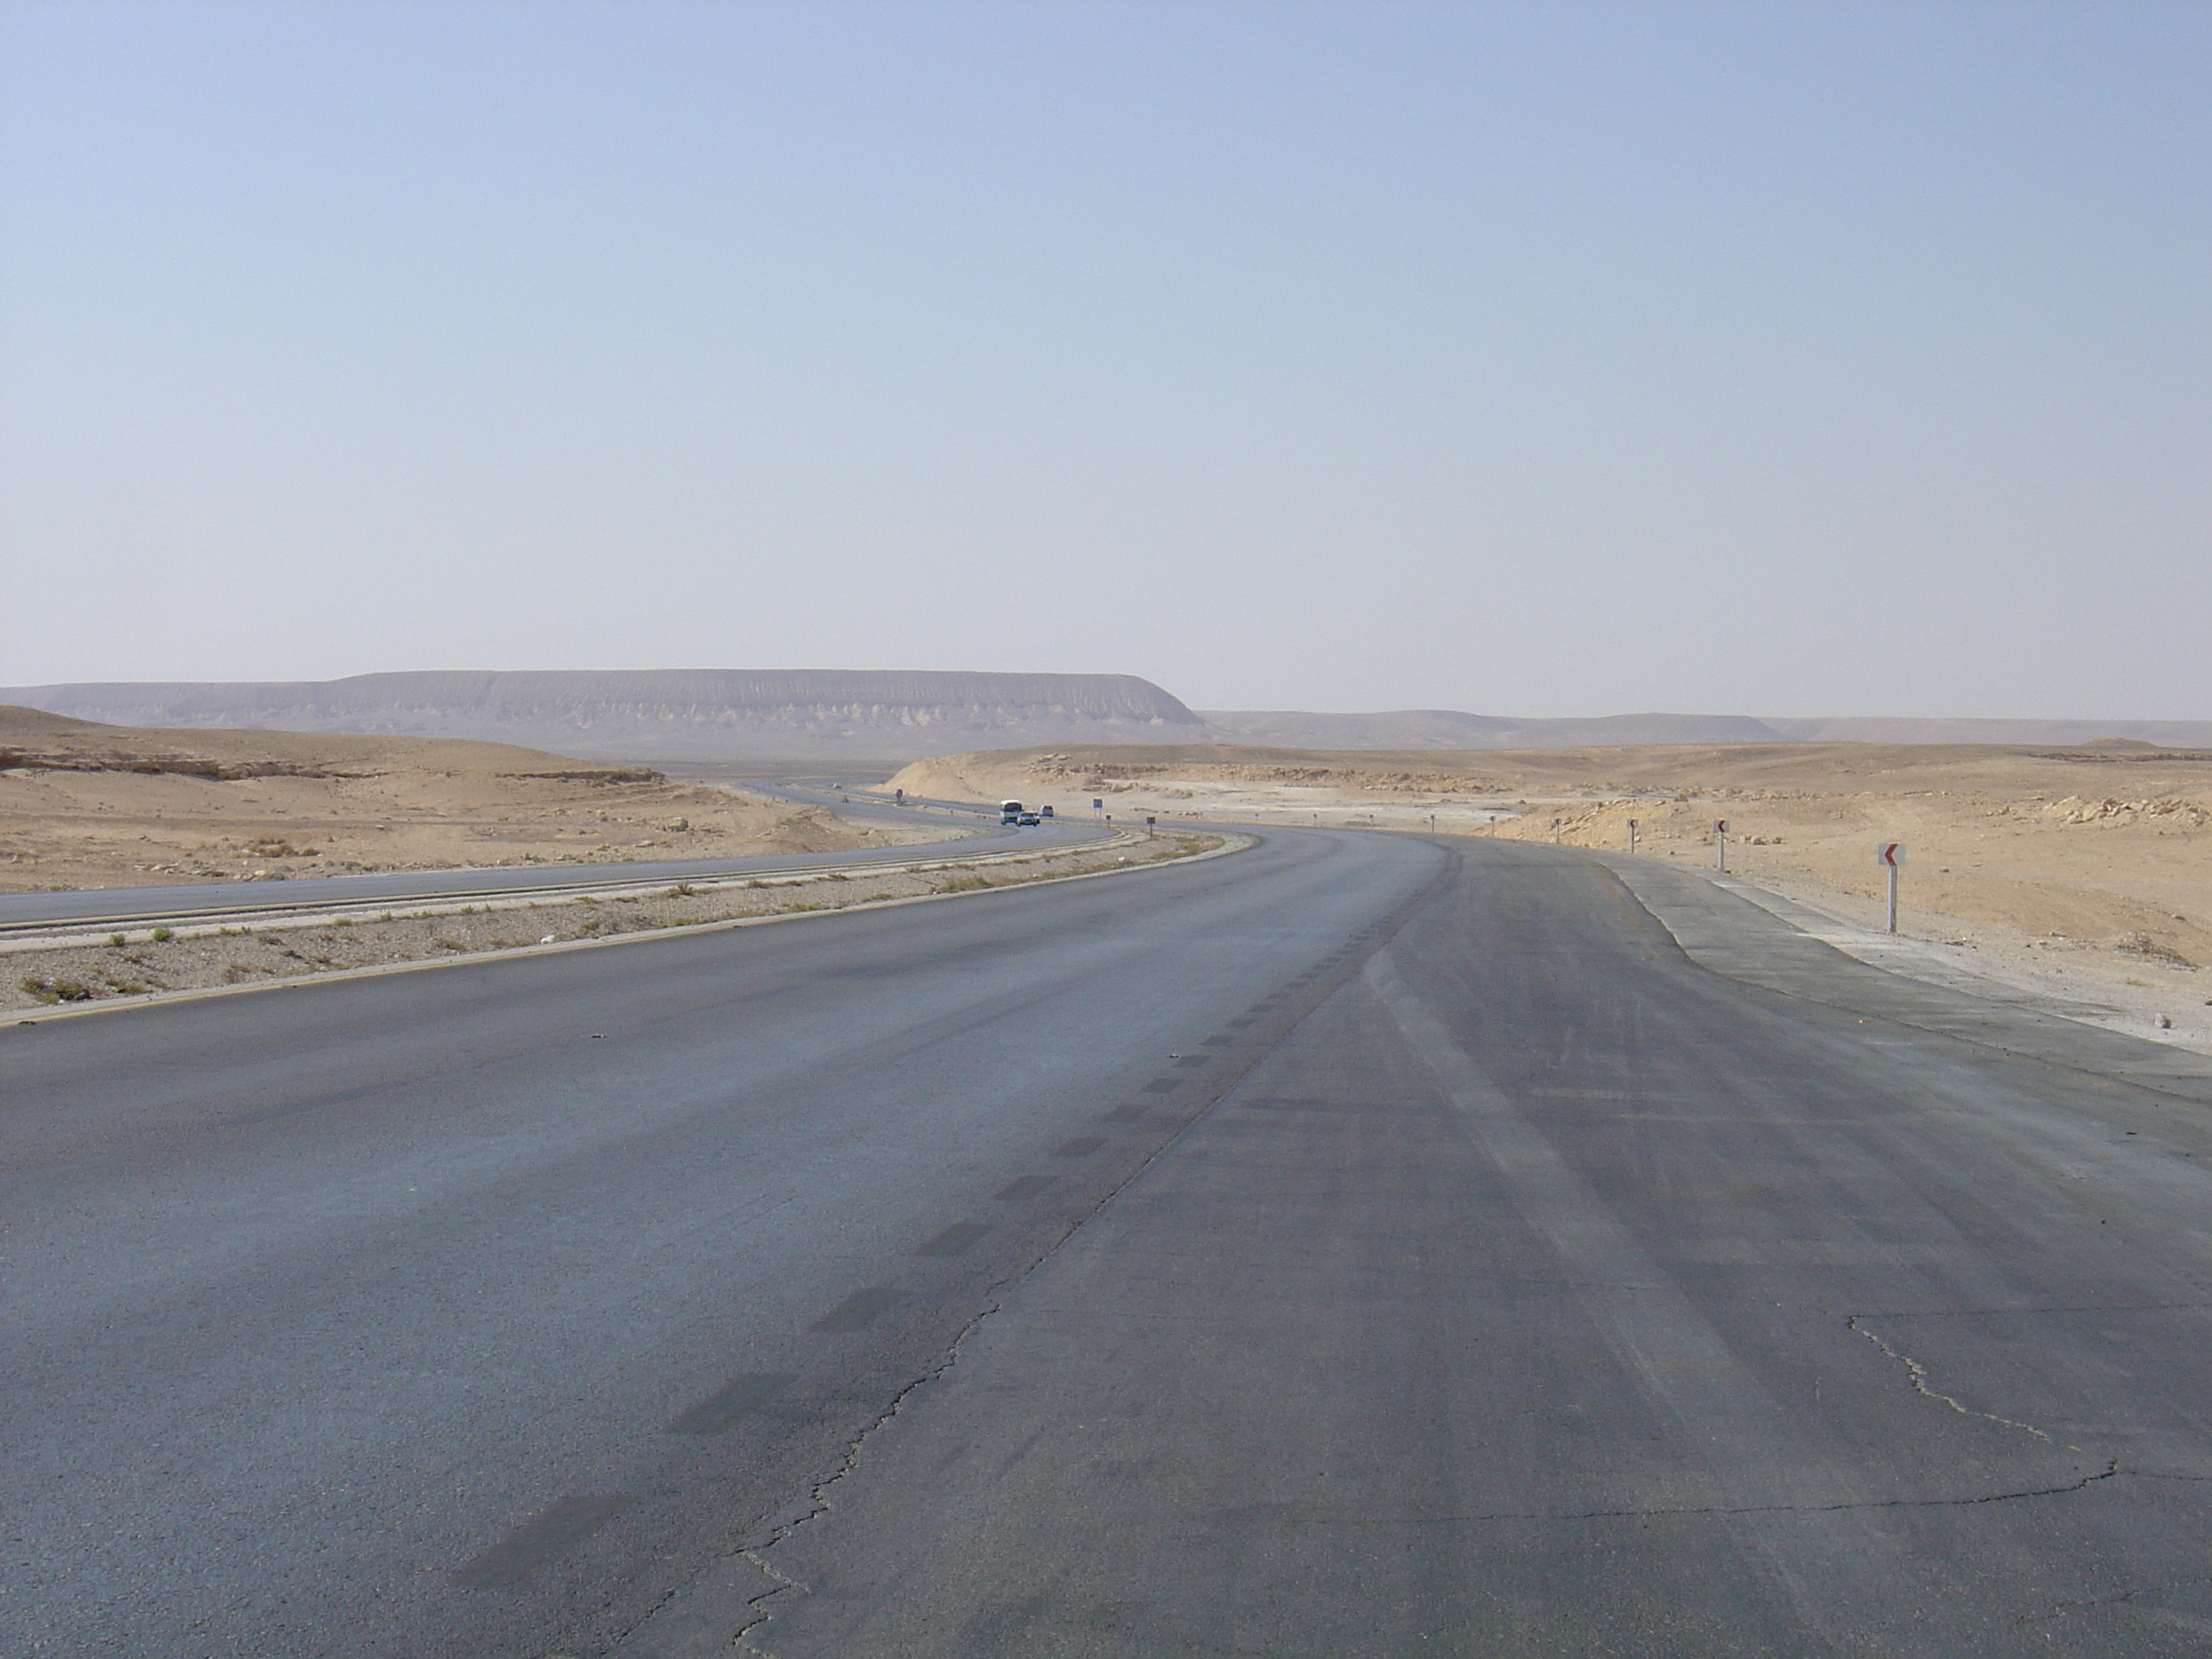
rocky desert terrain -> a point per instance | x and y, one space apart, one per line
86 804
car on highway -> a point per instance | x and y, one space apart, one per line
1029 820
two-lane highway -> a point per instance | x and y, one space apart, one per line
1358 1245
474 1311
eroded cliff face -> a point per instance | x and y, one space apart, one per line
697 714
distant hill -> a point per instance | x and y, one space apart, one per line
672 714
2167 734
859 718
1445 728
47 742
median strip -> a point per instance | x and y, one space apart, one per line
53 976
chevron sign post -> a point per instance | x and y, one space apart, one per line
1890 854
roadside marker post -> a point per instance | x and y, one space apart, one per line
1149 823
1890 854
1632 838
1720 845
1555 832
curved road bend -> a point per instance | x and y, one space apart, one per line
1358 1246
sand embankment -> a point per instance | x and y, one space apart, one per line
84 804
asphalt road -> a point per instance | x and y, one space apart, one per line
101 906
1355 1246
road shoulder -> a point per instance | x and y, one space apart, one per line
1759 937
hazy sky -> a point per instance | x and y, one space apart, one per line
1545 359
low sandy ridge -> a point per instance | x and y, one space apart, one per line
86 804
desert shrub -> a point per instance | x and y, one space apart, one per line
56 990
276 847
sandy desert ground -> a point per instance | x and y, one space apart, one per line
83 804
2089 868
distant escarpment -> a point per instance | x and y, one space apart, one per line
857 720
731 714
1448 728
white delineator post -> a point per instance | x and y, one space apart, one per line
1890 854
1555 832
1632 838
1720 844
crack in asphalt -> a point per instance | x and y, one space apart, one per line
1919 1374
784 1582
2029 1308
2165 1587
2060 1610
848 1459
818 1502
2110 1471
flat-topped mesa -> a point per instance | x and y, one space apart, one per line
701 714
856 718
1448 728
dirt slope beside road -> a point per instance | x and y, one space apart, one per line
85 804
